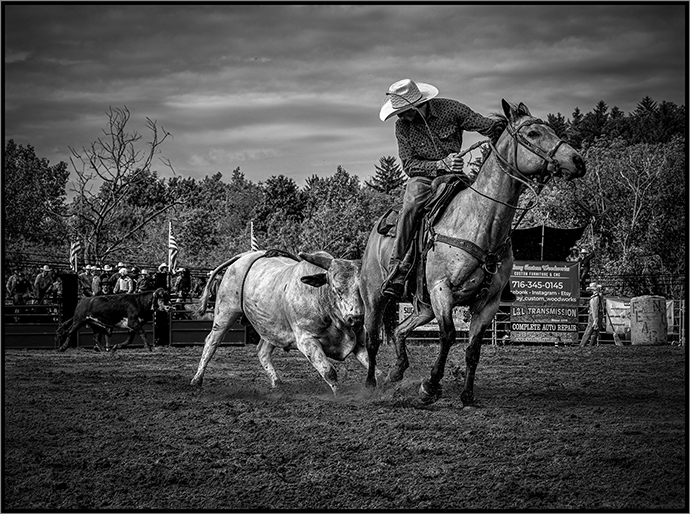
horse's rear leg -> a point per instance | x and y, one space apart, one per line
372 327
222 322
400 338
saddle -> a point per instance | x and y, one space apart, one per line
444 188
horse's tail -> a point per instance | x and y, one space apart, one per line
201 308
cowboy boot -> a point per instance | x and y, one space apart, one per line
394 285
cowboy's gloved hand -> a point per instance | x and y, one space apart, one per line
451 164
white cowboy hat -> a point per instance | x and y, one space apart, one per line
593 286
46 268
404 95
120 264
107 267
163 265
144 272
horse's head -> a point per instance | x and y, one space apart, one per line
530 147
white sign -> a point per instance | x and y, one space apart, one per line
405 309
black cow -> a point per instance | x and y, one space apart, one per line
105 312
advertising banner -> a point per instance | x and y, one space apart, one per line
546 282
547 293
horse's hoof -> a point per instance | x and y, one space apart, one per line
429 393
196 382
467 397
395 376
370 383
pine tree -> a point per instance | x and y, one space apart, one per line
558 124
389 176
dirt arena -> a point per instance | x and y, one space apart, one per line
554 428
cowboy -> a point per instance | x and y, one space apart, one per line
595 317
86 280
182 283
106 286
146 282
585 265
124 283
574 255
43 284
429 134
19 288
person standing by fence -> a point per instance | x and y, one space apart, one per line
18 288
595 317
43 284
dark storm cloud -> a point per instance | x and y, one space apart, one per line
296 89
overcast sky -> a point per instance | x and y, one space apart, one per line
296 90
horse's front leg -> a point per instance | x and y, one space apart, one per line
425 315
478 325
442 304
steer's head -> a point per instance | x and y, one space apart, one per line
342 277
161 300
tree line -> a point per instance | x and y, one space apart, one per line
632 199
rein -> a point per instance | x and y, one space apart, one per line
490 261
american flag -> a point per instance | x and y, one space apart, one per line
172 250
74 250
254 243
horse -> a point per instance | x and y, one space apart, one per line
469 258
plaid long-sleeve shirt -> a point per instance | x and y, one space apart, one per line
447 120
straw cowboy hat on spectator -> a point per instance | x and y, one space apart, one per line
593 286
163 265
45 268
107 267
404 95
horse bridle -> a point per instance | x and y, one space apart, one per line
548 157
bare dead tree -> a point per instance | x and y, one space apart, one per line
107 174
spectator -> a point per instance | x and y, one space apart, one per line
585 264
595 317
146 282
182 284
86 281
43 284
11 283
124 283
105 284
19 288
115 276
574 255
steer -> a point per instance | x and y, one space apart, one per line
312 305
103 313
